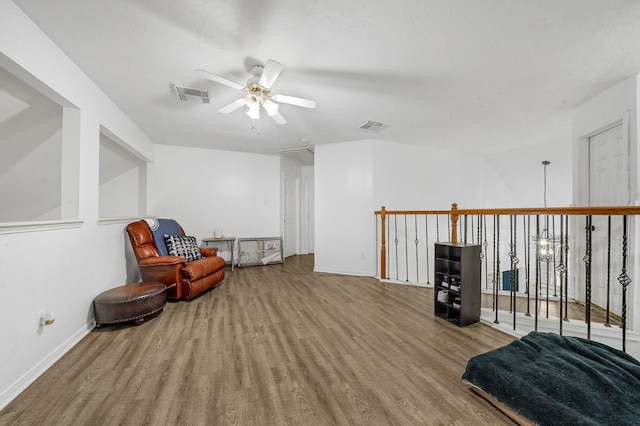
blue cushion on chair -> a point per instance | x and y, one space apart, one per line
160 227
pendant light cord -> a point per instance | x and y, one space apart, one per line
545 163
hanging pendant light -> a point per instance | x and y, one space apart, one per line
545 243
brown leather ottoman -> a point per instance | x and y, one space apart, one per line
130 302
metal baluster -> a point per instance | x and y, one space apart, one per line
465 228
388 251
493 266
486 255
624 281
449 226
527 258
552 240
478 232
547 258
464 239
511 305
463 232
587 262
607 324
437 229
537 272
560 270
415 219
566 275
406 248
426 236
497 273
514 265
395 220
482 254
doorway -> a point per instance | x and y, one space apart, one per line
608 186
290 213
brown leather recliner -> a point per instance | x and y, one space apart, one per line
191 278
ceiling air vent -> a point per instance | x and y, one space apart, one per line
183 92
372 126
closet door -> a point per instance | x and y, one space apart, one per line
289 214
608 186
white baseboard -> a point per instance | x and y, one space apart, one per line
9 394
611 336
343 272
409 283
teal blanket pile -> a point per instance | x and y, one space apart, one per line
557 380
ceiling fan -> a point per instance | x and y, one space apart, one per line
259 94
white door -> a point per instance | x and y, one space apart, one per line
289 214
608 186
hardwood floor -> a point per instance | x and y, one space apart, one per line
273 345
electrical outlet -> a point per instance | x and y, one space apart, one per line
40 320
44 318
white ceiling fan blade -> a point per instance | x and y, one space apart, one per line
272 110
232 106
278 118
270 107
307 103
218 79
269 74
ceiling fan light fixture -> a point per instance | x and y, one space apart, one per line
258 92
254 113
253 100
270 107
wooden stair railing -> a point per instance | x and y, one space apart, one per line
455 214
383 234
458 231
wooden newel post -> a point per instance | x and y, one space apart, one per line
383 242
454 223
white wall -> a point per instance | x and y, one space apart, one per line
28 177
53 269
204 189
411 178
344 207
521 172
119 196
122 179
354 179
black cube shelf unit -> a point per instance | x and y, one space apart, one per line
457 283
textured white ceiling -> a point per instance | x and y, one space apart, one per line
457 74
